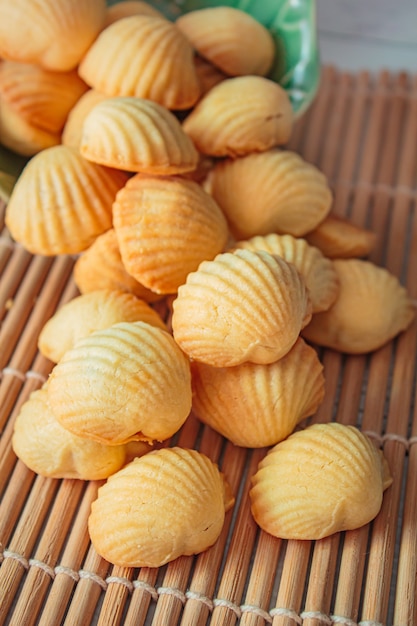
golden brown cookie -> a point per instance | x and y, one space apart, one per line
143 56
242 306
73 129
255 405
90 312
239 116
274 191
338 238
100 266
321 480
137 135
53 33
22 137
124 383
169 503
166 226
43 98
62 202
126 8
230 39
372 307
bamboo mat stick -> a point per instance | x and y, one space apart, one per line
19 313
376 595
15 261
320 584
208 564
226 610
67 571
13 500
41 571
119 585
143 593
15 560
26 342
292 584
88 590
261 581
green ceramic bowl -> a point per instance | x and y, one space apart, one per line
296 67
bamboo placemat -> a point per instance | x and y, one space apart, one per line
362 132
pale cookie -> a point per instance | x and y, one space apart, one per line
90 312
126 8
230 39
325 479
239 116
255 405
146 57
372 307
73 129
19 135
124 383
318 271
137 135
274 191
51 450
242 306
168 503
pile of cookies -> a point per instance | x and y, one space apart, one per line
163 167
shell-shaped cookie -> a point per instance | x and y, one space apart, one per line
165 227
43 98
126 8
22 137
73 129
372 307
318 271
169 503
208 75
274 191
53 33
62 202
143 56
338 238
51 450
256 405
242 306
240 116
230 39
321 480
90 312
100 266
136 134
127 382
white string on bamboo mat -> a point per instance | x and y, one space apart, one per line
23 376
156 593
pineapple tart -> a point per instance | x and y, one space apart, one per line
241 306
322 480
127 382
168 503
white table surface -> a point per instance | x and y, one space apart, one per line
368 34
